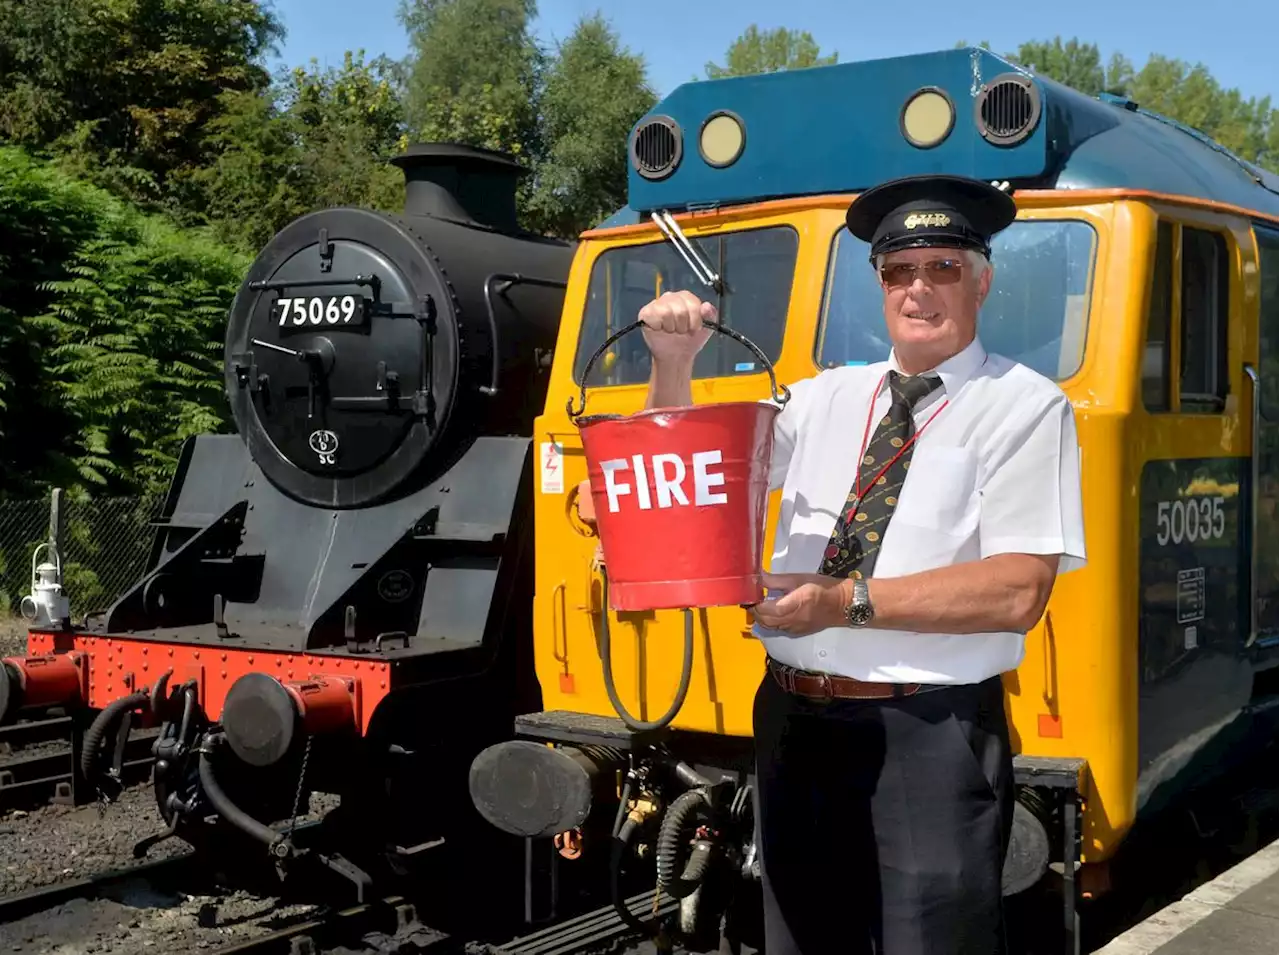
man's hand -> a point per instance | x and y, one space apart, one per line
809 603
673 327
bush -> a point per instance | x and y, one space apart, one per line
119 321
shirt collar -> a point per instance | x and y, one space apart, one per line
956 370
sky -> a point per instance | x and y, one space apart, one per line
1239 50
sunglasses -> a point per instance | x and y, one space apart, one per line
937 272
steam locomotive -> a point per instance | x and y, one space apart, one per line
336 596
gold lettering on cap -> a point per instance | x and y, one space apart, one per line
926 218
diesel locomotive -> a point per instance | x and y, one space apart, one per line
1140 275
336 598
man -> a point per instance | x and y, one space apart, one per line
929 502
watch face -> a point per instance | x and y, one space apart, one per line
859 614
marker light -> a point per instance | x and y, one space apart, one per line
927 117
722 139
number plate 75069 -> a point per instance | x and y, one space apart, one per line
317 311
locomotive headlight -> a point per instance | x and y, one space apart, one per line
927 117
722 139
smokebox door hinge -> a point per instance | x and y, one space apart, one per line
326 251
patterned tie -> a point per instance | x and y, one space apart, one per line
855 541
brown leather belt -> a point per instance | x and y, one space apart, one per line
825 686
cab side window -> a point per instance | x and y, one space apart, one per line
1205 286
1184 362
1156 379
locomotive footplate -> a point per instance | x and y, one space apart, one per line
566 726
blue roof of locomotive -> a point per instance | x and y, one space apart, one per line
835 129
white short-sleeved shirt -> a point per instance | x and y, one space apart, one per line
997 471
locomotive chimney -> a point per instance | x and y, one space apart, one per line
465 183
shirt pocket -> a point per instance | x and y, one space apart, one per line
939 492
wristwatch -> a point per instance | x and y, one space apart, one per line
859 612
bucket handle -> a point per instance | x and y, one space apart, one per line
781 398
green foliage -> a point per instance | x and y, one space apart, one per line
127 320
476 76
474 73
1182 91
1075 64
317 139
124 88
44 218
1192 96
593 93
768 51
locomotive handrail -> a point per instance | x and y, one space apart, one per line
371 280
1254 450
510 278
781 398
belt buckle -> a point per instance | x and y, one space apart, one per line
828 692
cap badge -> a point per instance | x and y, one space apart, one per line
926 218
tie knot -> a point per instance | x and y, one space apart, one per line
912 388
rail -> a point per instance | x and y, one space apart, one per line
23 904
391 924
38 761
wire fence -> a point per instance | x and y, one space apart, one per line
104 548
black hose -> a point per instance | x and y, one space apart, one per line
621 843
97 730
670 835
686 669
229 810
690 776
621 814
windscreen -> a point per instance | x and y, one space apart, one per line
757 266
1036 313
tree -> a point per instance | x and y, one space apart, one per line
1190 95
476 76
316 139
1183 92
769 51
473 74
115 322
125 88
594 91
1077 65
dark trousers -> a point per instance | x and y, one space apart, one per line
883 824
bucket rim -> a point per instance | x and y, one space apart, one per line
779 396
586 421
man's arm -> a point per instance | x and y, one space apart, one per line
1031 529
670 384
675 334
1004 593
1007 592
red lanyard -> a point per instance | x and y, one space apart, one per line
866 436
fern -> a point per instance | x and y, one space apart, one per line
123 317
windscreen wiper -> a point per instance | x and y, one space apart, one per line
700 266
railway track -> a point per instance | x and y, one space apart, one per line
391 925
382 925
38 762
24 904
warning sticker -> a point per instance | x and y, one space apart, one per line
552 466
1191 595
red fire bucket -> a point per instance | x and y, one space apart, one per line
680 496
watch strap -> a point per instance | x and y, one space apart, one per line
859 611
